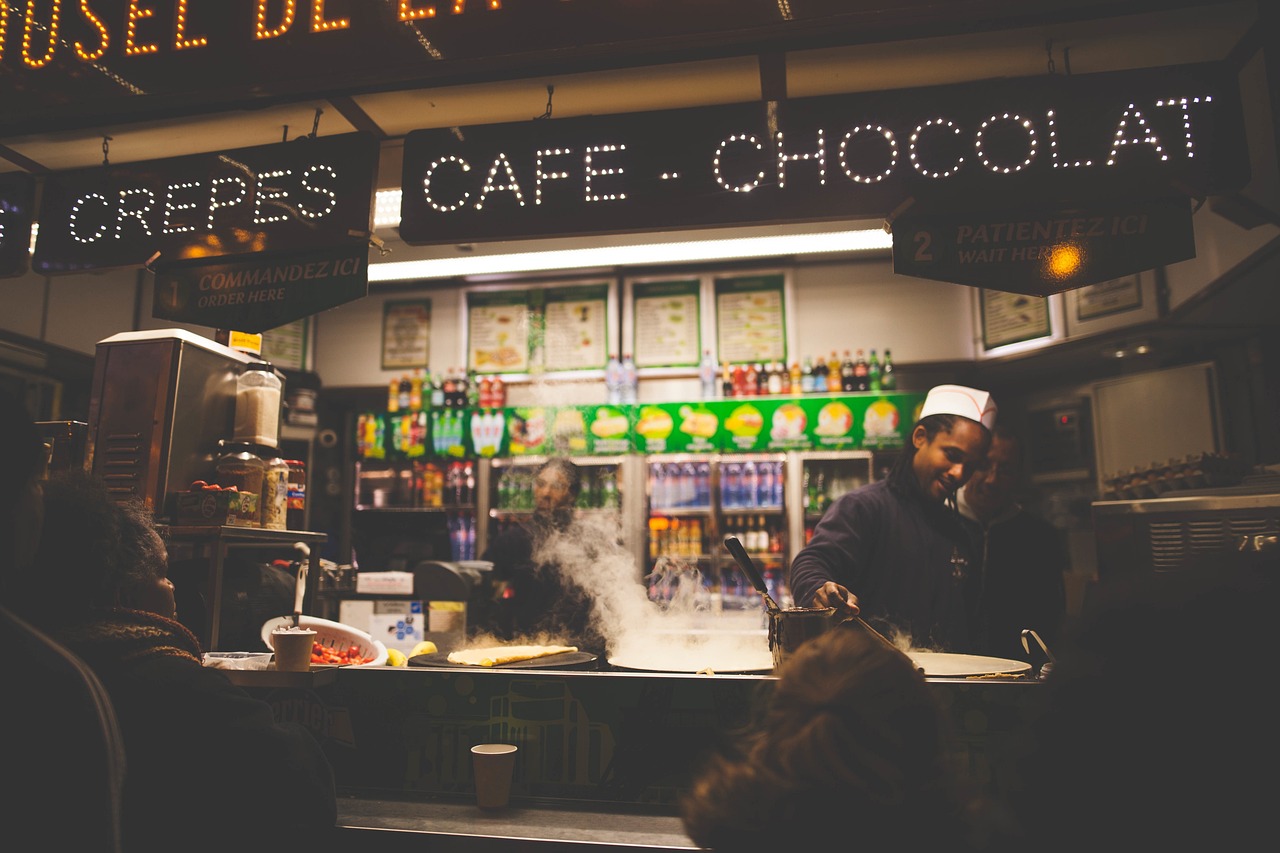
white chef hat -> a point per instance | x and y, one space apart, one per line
959 400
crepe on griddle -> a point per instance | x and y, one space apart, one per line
496 655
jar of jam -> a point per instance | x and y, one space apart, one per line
238 465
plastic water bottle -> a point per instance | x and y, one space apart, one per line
750 484
630 380
613 379
707 374
764 496
702 491
731 485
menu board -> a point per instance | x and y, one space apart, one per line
576 328
668 323
751 319
498 331
1009 318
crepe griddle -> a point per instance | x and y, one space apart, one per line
564 660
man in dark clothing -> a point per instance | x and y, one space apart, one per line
1023 557
538 596
896 551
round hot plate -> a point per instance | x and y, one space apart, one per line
564 660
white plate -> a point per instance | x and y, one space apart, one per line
331 633
944 664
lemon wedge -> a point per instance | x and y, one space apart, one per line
426 647
395 657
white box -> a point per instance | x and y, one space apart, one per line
384 583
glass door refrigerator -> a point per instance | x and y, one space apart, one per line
694 502
815 479
609 490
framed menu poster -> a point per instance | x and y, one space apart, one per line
576 331
498 331
751 318
406 333
1010 318
667 324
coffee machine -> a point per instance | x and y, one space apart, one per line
160 402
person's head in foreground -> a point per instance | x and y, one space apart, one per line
851 745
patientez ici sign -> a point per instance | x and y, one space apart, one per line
992 144
305 194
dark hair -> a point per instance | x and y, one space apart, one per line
851 733
566 468
92 548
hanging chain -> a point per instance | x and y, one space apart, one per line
1048 49
551 90
105 149
315 125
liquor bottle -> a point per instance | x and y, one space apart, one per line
707 374
833 372
888 378
861 380
847 380
873 372
762 379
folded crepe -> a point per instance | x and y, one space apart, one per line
496 655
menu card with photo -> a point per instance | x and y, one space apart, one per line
751 318
668 323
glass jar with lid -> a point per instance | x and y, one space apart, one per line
275 490
238 465
258 392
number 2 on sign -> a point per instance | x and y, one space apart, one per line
923 240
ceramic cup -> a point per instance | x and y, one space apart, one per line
293 648
493 765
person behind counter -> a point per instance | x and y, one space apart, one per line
209 768
896 551
1023 556
851 744
536 596
62 749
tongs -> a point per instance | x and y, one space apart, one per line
1045 668
753 574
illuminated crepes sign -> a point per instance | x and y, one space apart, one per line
309 193
1138 134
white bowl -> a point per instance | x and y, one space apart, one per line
332 634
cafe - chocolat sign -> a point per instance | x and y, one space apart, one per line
1038 141
296 196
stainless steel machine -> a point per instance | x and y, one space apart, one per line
160 402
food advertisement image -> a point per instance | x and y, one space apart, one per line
610 429
745 425
698 426
654 426
526 430
882 425
569 431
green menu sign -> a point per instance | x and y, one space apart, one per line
677 428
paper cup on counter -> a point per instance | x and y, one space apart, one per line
493 765
293 648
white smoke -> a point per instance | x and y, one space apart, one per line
683 634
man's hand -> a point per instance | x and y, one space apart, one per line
832 594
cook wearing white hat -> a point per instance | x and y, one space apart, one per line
959 400
896 550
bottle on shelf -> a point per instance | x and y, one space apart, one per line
415 391
393 396
437 391
739 381
820 376
806 376
873 372
888 378
773 378
726 380
750 380
762 379
861 371
796 377
847 379
630 379
707 375
613 380
833 373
